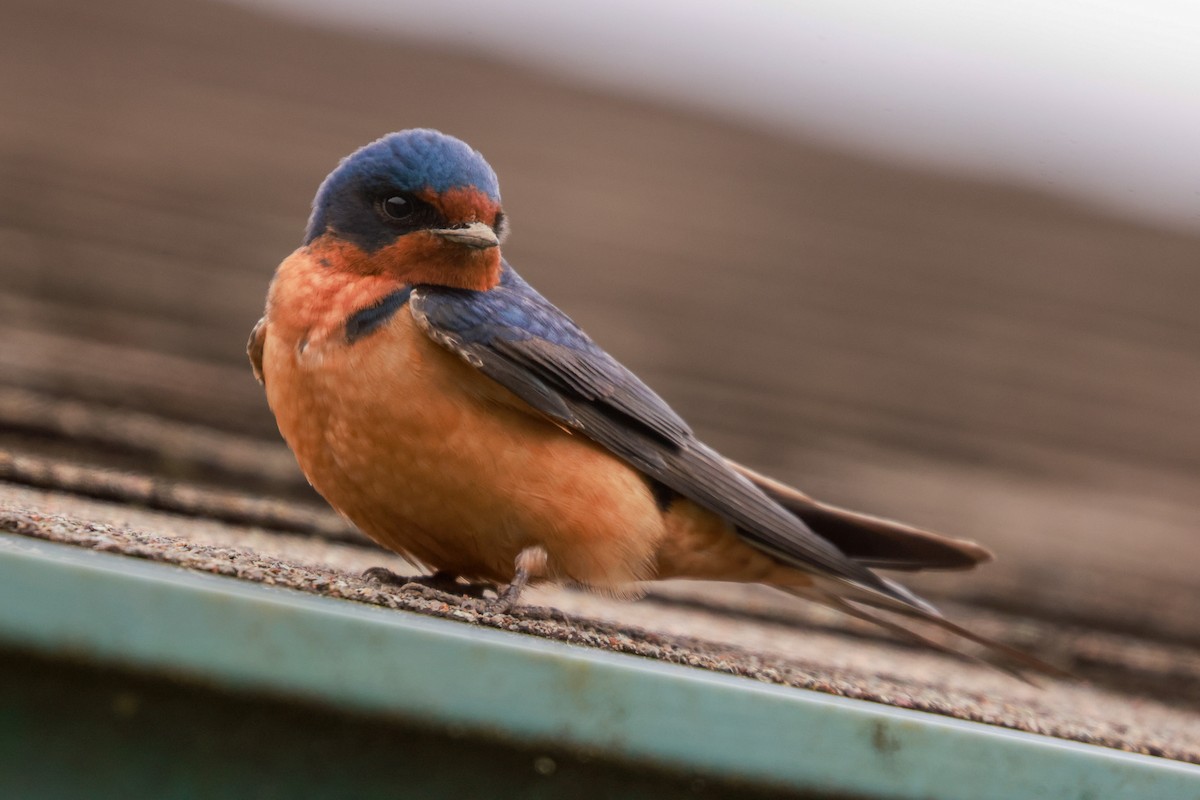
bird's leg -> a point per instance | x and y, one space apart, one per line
441 581
530 563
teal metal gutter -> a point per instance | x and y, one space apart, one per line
61 601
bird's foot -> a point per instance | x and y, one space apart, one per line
531 562
444 582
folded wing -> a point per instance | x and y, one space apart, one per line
517 338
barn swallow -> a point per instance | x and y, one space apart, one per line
458 418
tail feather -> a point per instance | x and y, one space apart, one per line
1006 651
850 600
872 541
907 633
880 543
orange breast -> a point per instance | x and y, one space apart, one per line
434 460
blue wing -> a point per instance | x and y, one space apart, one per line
519 339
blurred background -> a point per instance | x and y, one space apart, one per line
940 264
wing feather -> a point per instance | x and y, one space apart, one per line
254 348
869 540
517 338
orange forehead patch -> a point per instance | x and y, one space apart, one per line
462 204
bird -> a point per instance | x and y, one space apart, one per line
458 418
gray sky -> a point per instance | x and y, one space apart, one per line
1096 100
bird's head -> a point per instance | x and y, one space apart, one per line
417 205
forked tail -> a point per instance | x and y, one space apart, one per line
851 600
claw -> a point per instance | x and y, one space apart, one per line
446 582
530 563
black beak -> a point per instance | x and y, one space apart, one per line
477 235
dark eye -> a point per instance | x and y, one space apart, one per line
399 207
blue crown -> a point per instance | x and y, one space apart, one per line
406 161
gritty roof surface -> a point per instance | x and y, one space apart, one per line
983 361
726 629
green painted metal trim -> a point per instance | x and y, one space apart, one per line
59 600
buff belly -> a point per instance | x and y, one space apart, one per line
435 461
